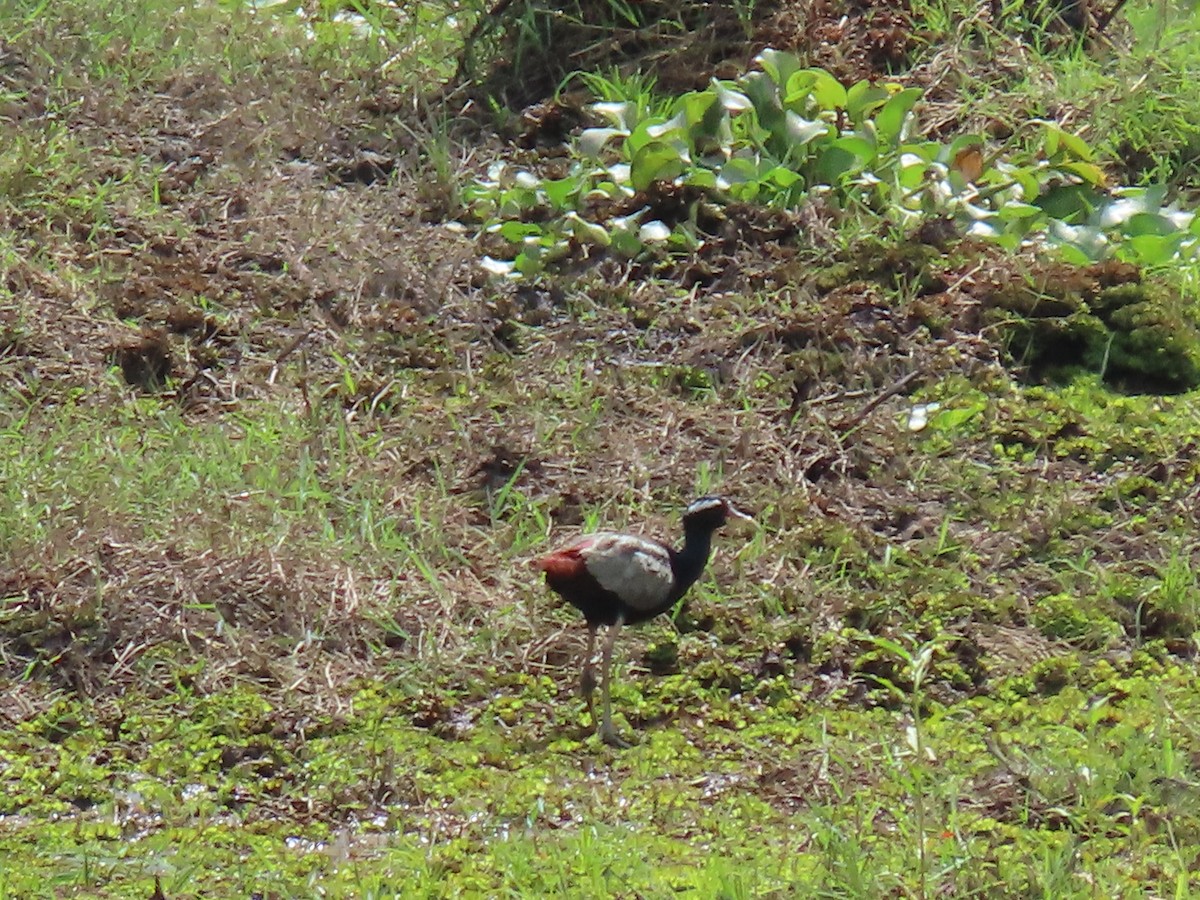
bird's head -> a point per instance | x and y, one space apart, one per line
710 513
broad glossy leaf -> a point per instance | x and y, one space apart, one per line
1150 224
779 65
653 162
678 122
592 140
701 178
1016 211
864 98
559 190
834 164
781 176
889 122
641 135
731 101
765 97
1089 172
1069 201
863 149
586 232
827 90
515 232
620 114
801 131
737 171
1155 249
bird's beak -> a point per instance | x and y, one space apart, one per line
734 511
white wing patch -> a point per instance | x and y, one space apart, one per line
636 570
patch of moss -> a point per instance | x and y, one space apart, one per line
1139 336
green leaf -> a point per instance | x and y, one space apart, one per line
653 162
889 123
559 190
586 232
1069 202
825 89
864 98
515 232
731 101
737 171
1089 172
781 176
1150 224
642 134
801 131
949 419
620 114
864 149
592 140
835 163
1017 211
765 97
779 65
1156 249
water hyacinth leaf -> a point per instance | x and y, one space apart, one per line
559 190
731 101
778 64
515 232
801 131
701 178
1150 224
828 91
912 172
864 150
1086 239
765 97
677 122
586 232
738 170
1026 179
592 140
1016 211
654 232
836 163
1089 172
954 417
781 176
1156 249
889 123
1069 202
1074 145
655 162
619 113
864 98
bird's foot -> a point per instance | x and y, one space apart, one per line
609 735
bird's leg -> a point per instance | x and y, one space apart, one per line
607 733
588 685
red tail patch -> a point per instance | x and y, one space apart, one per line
563 564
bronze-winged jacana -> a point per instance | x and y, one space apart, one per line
623 579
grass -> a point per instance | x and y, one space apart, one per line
267 624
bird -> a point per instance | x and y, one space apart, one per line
623 579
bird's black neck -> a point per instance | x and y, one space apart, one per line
690 559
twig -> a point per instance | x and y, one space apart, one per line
897 387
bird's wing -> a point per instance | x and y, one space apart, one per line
635 569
